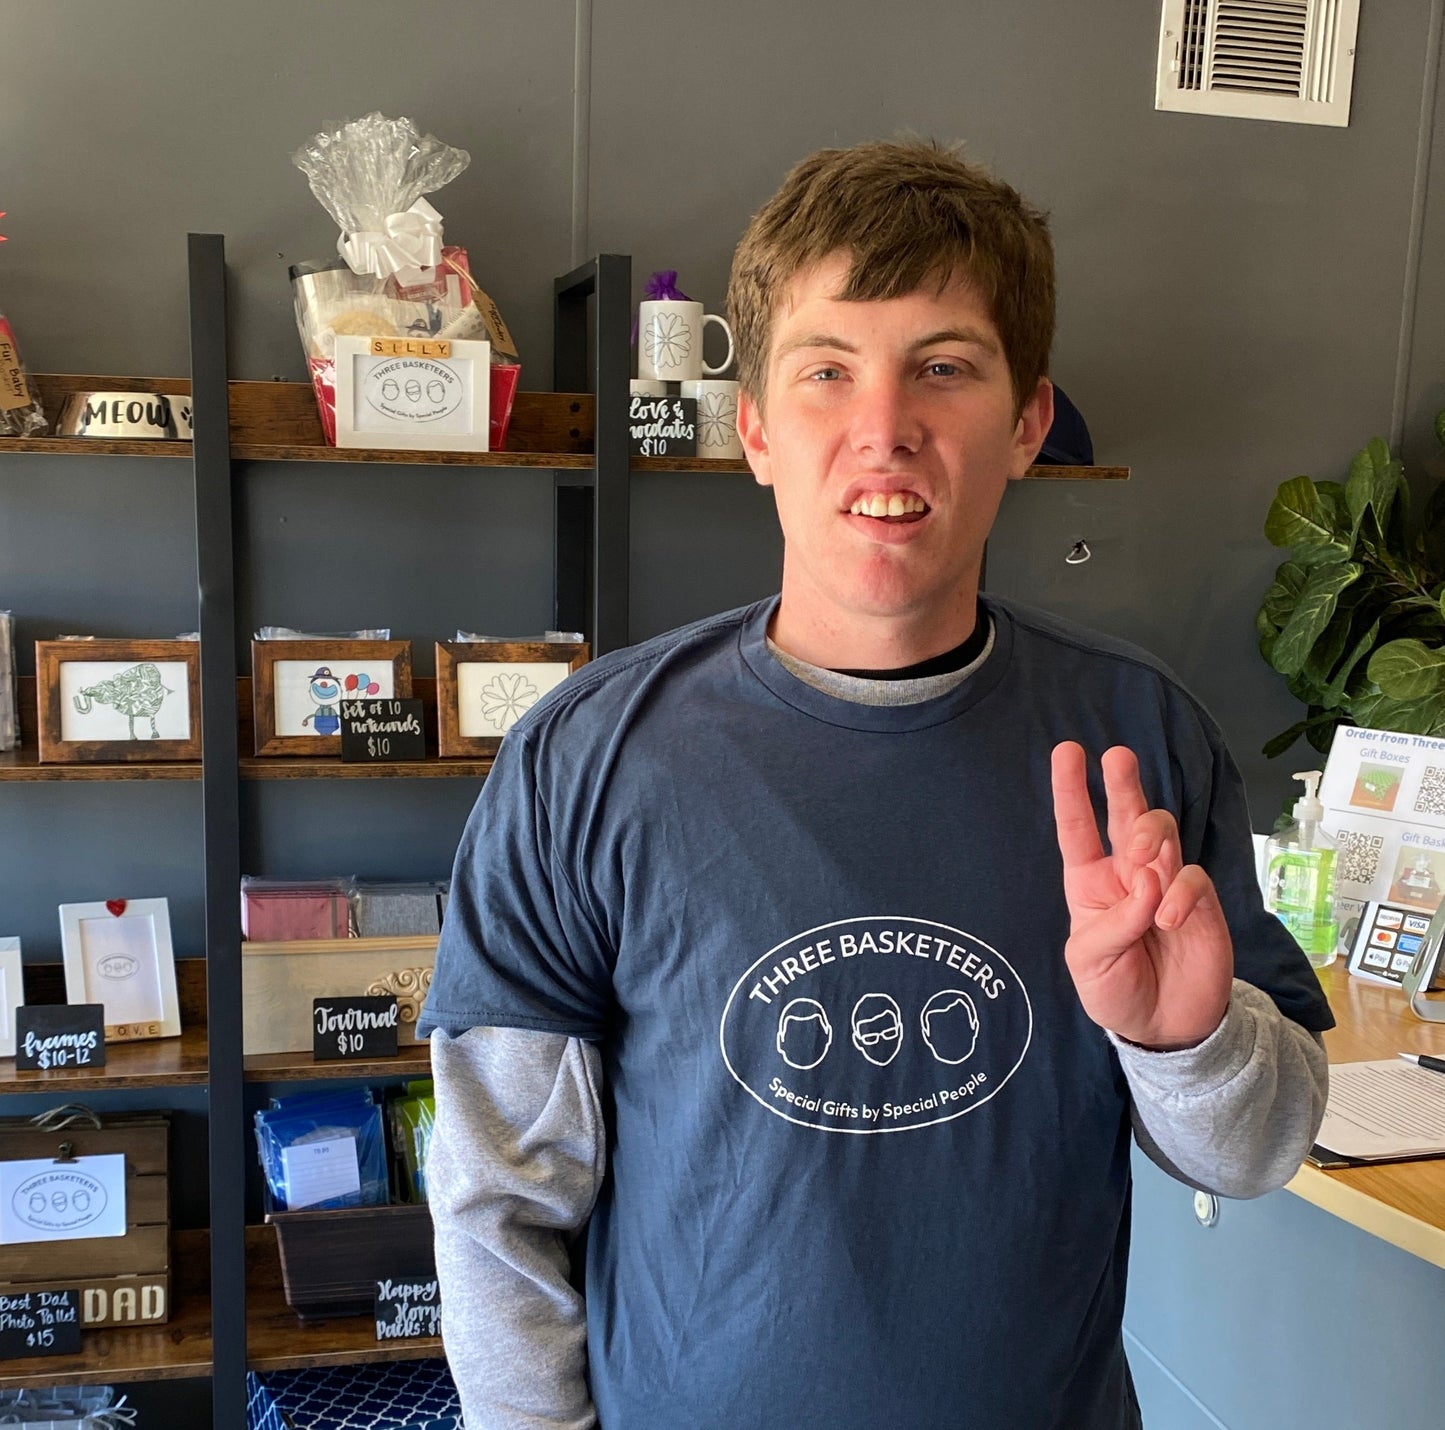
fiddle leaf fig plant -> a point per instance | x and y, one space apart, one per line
1355 618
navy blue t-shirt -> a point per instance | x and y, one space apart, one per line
868 1160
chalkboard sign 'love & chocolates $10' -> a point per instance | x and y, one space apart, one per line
662 426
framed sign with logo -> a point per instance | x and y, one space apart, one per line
118 953
425 394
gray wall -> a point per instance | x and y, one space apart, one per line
1238 304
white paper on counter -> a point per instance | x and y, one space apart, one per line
1379 1110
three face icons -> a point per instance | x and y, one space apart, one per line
948 1023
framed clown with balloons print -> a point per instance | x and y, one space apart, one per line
297 687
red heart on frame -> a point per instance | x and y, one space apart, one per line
116 906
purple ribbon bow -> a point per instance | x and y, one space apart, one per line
660 285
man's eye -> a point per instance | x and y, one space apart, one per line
824 374
943 369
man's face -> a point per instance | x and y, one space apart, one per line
887 432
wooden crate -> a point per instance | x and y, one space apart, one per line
279 980
122 1280
331 1260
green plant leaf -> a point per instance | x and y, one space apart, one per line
1299 519
1336 506
1279 601
1410 717
1432 529
1312 613
1409 670
1374 481
1334 692
1281 742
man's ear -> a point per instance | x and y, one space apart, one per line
1033 426
754 439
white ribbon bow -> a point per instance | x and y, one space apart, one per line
410 244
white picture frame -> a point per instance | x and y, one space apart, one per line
119 953
12 993
417 394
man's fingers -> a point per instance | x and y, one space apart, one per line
1073 810
1105 937
1192 889
1155 840
1125 794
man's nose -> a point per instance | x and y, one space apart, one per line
885 419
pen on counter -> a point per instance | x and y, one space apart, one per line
1424 1060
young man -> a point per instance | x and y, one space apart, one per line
784 953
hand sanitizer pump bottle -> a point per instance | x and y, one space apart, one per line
1300 877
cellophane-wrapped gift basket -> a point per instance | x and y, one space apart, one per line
394 277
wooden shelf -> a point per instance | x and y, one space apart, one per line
153 1062
278 1339
411 1060
23 764
283 767
277 422
158 1062
731 464
178 1350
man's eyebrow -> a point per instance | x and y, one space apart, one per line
975 337
814 340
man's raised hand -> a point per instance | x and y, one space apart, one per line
1149 950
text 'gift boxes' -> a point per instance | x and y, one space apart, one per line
122 1280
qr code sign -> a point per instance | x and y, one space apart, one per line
1431 799
1358 857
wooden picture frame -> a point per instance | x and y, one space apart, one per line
480 695
141 705
119 953
413 394
278 700
12 992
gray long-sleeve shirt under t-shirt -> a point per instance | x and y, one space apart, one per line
518 1162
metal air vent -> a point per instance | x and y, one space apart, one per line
1289 60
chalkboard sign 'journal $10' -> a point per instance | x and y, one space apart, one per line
353 1028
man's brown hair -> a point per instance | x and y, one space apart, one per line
908 213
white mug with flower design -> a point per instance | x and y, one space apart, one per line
717 416
669 340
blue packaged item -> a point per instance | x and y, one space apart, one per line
320 1153
396 1395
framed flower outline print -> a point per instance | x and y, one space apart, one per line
485 687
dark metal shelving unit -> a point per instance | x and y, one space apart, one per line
590 586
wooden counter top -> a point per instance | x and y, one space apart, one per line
1400 1202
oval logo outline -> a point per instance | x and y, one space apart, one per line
68 1207
908 919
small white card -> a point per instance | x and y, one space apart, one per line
45 1200
318 1171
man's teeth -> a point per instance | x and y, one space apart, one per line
895 504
